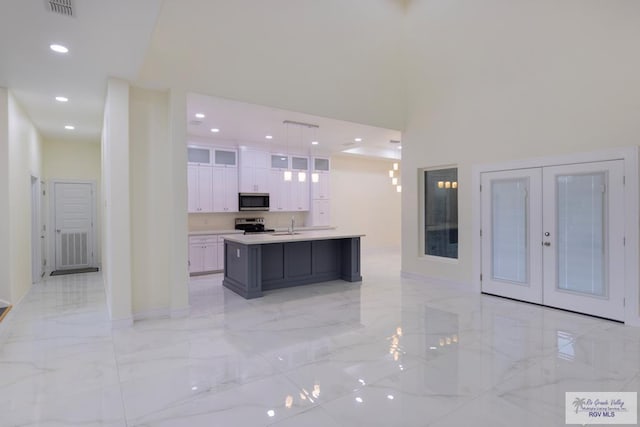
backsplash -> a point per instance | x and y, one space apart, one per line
226 221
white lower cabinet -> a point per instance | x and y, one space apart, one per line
206 254
220 259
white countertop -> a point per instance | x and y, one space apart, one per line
214 232
265 238
219 232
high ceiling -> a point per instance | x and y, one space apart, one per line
211 47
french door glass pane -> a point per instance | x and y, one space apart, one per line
509 206
581 222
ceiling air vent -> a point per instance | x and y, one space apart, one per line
62 7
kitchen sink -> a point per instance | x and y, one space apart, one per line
285 233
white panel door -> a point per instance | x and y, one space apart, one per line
511 226
73 218
583 242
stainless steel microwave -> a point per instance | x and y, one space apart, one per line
253 201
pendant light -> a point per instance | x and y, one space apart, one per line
315 176
302 175
288 174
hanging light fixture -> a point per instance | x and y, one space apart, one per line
288 174
315 176
302 176
394 174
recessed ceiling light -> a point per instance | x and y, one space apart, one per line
269 136
357 139
314 143
215 130
62 98
399 147
199 116
69 127
58 48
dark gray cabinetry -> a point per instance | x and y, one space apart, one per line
252 269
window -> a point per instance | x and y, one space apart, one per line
441 212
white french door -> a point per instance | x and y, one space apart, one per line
511 251
555 236
73 220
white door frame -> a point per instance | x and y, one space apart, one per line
52 219
632 214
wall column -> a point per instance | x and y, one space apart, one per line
116 204
179 285
5 285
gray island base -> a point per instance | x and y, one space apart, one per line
257 263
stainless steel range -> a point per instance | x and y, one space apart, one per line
252 225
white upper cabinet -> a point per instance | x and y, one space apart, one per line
212 178
225 157
197 155
279 161
200 188
320 213
225 189
279 192
321 164
254 171
320 178
320 186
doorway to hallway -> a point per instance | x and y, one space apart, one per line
73 224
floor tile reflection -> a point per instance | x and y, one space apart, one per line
388 351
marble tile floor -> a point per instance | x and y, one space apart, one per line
385 352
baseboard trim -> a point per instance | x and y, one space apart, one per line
180 312
156 313
436 280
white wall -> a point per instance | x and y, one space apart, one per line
116 212
150 205
332 58
363 200
23 155
492 81
75 160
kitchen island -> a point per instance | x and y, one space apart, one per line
261 262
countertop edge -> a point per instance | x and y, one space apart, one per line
264 239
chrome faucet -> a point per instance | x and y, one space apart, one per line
293 224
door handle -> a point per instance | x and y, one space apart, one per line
546 243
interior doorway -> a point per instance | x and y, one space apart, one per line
555 235
73 224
